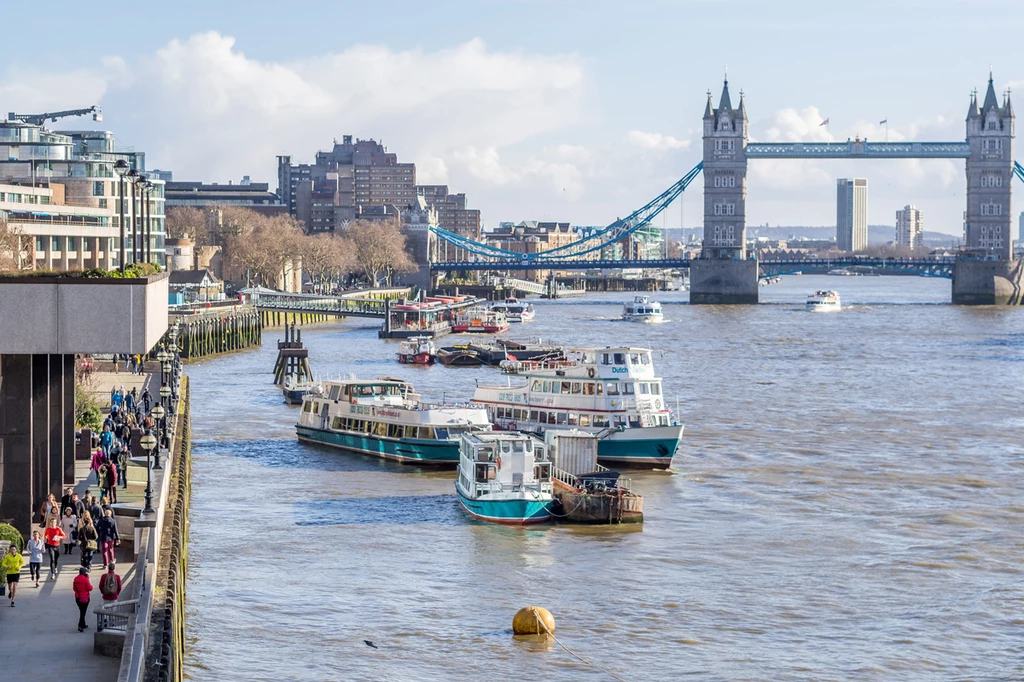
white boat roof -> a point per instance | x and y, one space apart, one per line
611 349
382 381
483 437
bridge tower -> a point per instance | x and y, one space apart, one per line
723 274
989 275
990 175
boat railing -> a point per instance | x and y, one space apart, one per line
574 481
517 366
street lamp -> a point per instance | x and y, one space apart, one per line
140 254
165 393
133 178
148 442
144 193
121 167
162 358
158 413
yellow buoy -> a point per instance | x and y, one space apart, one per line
532 620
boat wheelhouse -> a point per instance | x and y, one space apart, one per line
386 418
612 392
515 310
419 350
642 309
504 477
480 320
296 389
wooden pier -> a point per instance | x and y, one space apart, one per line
292 358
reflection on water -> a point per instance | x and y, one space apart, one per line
846 505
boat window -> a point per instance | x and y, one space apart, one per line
634 421
533 415
481 472
566 386
645 358
589 358
620 420
576 388
634 358
316 408
337 424
307 406
380 429
613 388
656 388
600 388
441 434
627 389
584 420
604 359
644 390
335 392
600 420
517 413
543 417
426 432
394 431
410 432
537 384
561 418
573 420
588 388
546 387
620 359
365 390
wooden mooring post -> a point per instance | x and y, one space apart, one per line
292 358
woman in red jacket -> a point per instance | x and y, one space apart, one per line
82 588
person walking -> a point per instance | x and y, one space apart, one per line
95 509
12 563
69 524
110 482
52 513
106 532
110 584
100 456
65 501
82 588
53 535
107 438
47 509
147 401
35 547
87 539
122 466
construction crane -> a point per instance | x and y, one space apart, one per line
40 119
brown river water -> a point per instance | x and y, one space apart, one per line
847 504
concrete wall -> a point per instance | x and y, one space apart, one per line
50 315
984 282
715 281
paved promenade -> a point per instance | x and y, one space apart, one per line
39 638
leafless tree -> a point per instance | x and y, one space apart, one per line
379 249
14 247
326 257
190 222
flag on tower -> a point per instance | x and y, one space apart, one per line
883 122
823 123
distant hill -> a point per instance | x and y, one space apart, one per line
877 234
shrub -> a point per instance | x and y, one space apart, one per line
11 534
87 412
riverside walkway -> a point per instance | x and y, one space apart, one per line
39 638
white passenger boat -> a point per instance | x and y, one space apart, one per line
823 301
642 309
386 418
515 310
418 350
504 478
612 392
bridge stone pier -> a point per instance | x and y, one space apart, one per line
985 273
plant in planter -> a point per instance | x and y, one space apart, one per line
11 534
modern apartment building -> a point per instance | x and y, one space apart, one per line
852 214
253 195
76 170
909 227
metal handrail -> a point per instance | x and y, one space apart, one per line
115 615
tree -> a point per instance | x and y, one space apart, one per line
379 249
14 247
188 221
256 247
326 258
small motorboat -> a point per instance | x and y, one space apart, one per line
823 301
418 350
504 477
295 390
642 309
458 356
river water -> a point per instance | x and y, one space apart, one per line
847 504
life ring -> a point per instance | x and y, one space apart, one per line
657 404
590 372
498 461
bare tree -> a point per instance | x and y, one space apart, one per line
14 252
326 257
258 248
379 249
190 222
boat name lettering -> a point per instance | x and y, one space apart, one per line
361 409
511 398
620 370
386 413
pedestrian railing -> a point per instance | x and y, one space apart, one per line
115 615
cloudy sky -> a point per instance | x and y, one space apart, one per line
578 110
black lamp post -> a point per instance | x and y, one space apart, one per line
121 167
162 357
147 188
133 178
140 253
165 392
158 413
148 442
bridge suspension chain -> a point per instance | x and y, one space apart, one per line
589 243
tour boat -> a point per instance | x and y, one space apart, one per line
504 478
515 310
295 390
612 392
386 418
418 350
823 301
642 309
480 320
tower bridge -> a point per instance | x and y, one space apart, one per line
984 273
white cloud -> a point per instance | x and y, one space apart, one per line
655 140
